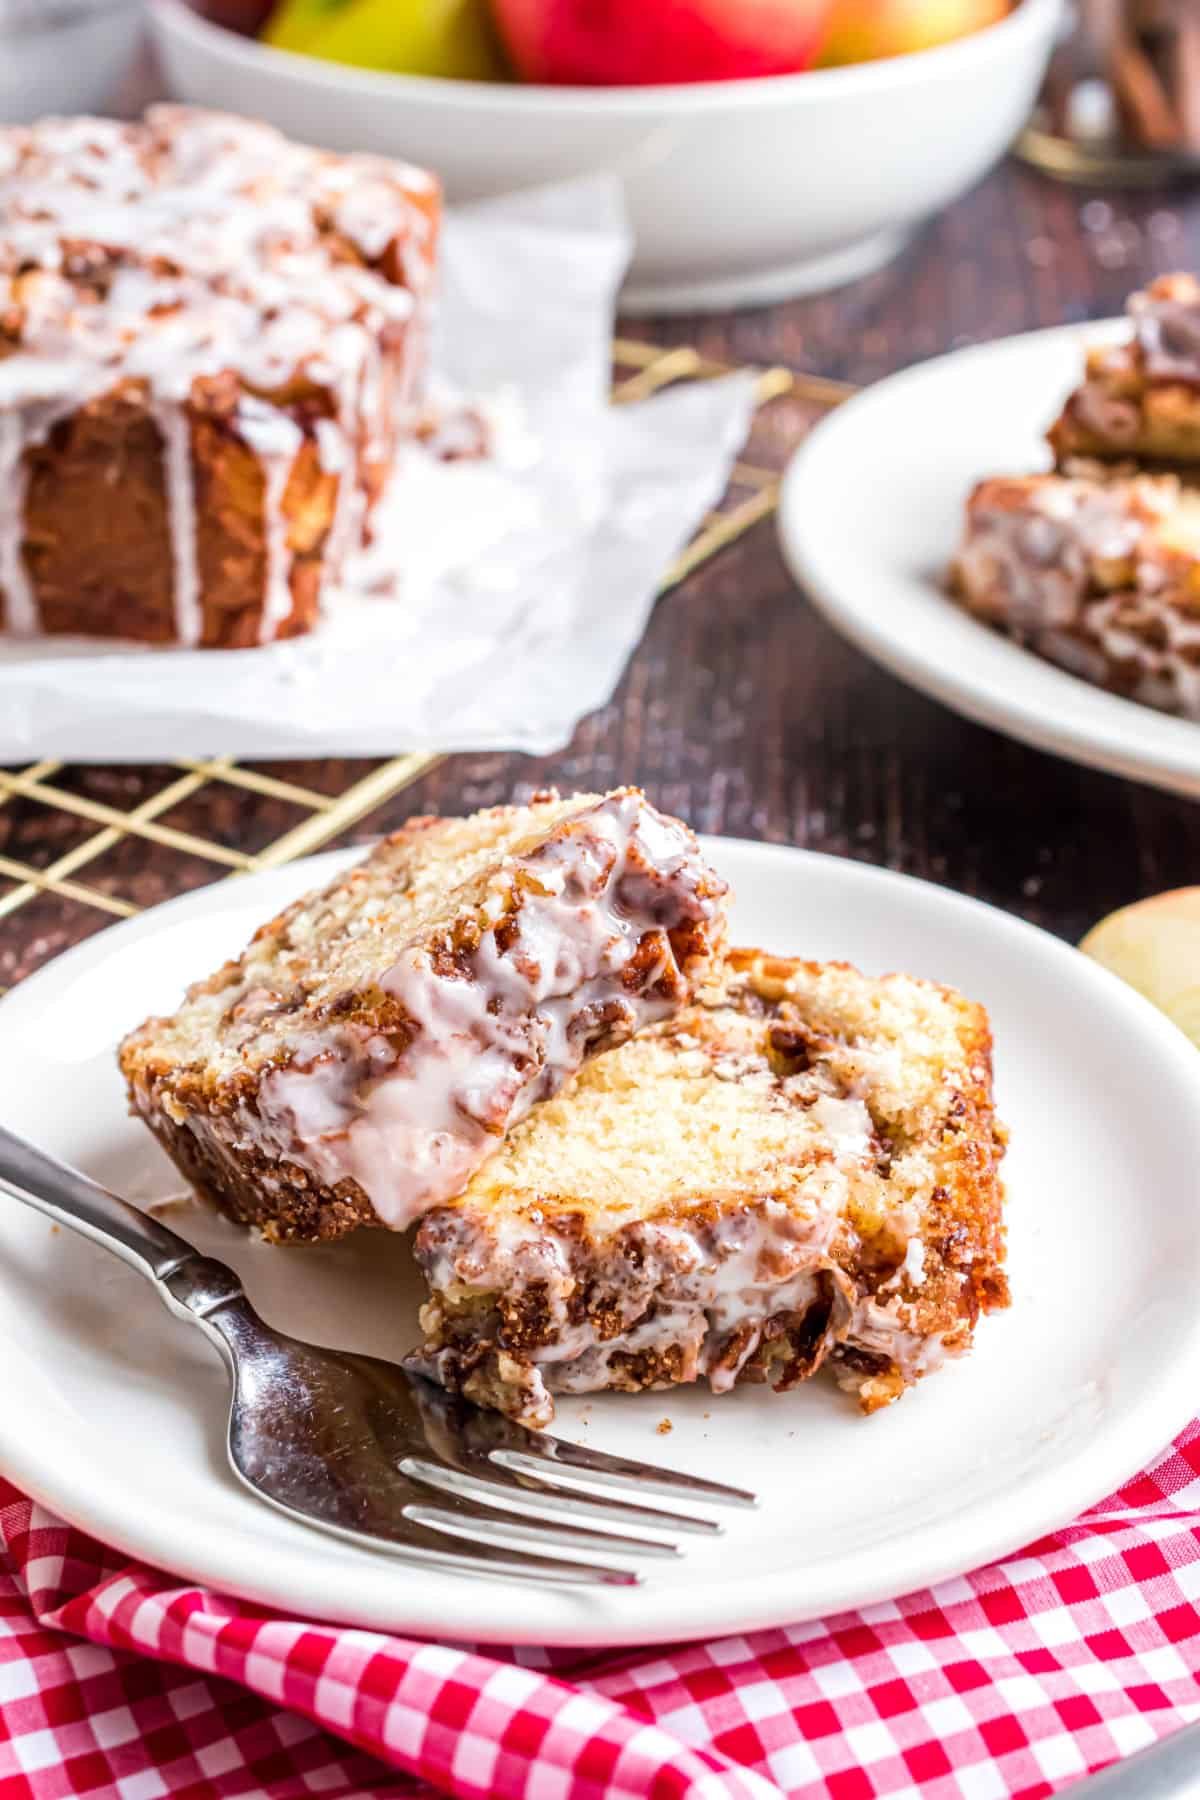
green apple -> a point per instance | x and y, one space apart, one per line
451 38
293 22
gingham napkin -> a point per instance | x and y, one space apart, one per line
116 1680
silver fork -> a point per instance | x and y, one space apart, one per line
363 1449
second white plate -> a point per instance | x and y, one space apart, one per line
872 512
113 1412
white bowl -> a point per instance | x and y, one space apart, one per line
70 63
740 192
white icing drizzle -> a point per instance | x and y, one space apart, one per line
699 1332
20 604
1030 557
703 1291
912 1269
886 1330
847 1122
175 429
277 602
277 440
1166 323
410 1129
334 447
1032 569
197 246
1037 558
1141 642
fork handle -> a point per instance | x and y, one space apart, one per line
190 1284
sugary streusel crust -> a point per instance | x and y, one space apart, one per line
802 1170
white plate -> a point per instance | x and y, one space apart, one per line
113 1413
872 512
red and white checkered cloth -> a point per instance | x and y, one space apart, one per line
115 1680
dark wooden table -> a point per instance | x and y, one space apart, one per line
742 709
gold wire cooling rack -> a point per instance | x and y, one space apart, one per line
639 370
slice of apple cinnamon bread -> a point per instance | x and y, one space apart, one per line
374 1043
801 1170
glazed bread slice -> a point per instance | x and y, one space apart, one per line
802 1170
1141 398
1096 569
374 1043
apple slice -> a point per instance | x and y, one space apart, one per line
1154 945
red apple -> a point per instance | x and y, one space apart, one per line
246 16
616 43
